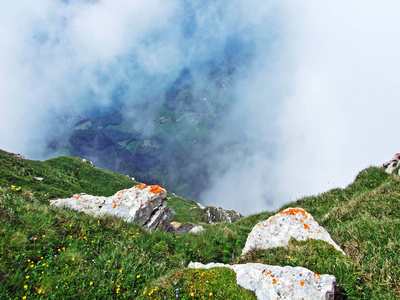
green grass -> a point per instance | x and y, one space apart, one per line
67 254
65 176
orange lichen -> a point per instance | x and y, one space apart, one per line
269 272
306 226
85 201
317 276
141 186
302 283
274 281
155 189
294 211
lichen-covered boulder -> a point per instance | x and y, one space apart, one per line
278 229
142 204
275 282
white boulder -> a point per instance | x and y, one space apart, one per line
143 204
278 229
275 282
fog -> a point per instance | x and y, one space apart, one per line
315 95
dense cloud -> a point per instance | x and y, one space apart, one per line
315 95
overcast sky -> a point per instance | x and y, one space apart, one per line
318 97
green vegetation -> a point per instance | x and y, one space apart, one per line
54 253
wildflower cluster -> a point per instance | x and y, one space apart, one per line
13 188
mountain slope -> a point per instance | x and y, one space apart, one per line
58 253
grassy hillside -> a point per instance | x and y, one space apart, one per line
65 176
54 253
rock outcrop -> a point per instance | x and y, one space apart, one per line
275 282
146 205
213 214
278 229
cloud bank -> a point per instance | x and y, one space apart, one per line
315 98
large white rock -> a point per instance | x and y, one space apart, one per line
275 282
278 229
143 204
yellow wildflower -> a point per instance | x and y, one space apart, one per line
39 291
24 297
91 283
25 286
73 258
138 276
210 294
191 294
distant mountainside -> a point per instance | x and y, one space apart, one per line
163 140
